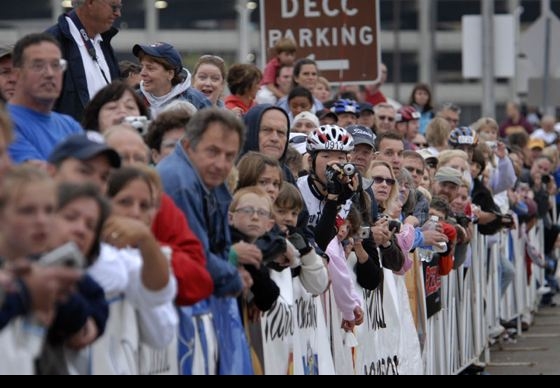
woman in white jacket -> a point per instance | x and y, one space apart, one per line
135 269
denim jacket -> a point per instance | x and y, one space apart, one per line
207 214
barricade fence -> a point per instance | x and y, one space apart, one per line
424 323
420 323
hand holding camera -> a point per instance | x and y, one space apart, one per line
140 123
300 243
343 180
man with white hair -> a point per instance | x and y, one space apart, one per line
85 36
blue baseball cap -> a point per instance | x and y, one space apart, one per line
366 107
84 147
163 51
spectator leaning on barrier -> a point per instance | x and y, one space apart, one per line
194 176
85 36
39 70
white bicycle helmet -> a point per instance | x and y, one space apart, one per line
330 138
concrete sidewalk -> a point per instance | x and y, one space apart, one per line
537 352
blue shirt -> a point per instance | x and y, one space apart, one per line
37 134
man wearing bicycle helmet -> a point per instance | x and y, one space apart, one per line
408 125
348 112
464 139
330 187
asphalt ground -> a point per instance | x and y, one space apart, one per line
535 352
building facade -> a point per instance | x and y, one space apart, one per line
420 39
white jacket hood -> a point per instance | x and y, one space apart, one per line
158 103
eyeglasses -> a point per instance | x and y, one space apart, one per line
422 145
116 8
413 170
386 118
250 212
454 122
59 66
298 140
432 163
379 180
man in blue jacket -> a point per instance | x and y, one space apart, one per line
194 176
85 36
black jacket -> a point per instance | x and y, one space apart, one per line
75 95
264 289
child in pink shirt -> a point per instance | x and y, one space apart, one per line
347 299
284 55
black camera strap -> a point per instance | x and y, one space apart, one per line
87 41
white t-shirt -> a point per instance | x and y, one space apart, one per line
94 77
315 206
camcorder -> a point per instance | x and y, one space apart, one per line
340 172
140 123
272 247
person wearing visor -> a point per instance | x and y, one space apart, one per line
164 79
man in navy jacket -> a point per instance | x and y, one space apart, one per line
92 63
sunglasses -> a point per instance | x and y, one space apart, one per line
298 140
386 118
413 170
379 180
422 145
432 163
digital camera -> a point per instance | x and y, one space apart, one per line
342 170
364 233
68 256
140 123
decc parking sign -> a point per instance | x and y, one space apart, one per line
341 35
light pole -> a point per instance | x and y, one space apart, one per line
488 72
244 9
549 109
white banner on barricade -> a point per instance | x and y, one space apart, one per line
277 329
21 342
117 351
293 335
312 351
387 341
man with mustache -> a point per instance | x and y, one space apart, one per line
38 68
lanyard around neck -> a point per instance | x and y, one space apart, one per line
87 42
